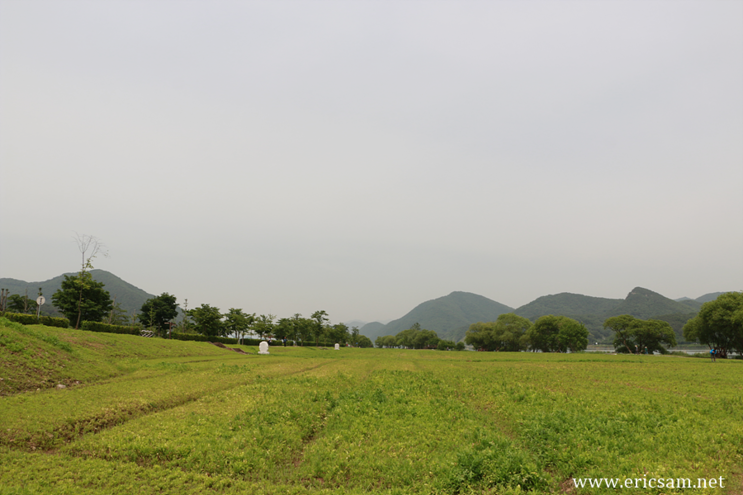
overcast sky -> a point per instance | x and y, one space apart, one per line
362 157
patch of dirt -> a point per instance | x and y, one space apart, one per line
221 345
567 486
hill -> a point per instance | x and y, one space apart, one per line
708 297
130 297
593 311
567 304
449 316
372 330
644 303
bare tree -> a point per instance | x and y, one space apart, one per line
89 247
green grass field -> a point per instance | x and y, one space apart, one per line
154 416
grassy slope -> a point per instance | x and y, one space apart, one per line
41 357
367 420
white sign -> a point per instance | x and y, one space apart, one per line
337 347
40 300
263 348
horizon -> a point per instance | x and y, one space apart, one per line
385 321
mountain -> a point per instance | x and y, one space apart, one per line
372 330
708 297
566 304
354 323
593 311
130 297
449 316
644 304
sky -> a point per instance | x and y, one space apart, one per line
363 157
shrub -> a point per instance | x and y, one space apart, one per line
25 319
94 326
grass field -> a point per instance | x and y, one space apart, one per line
153 416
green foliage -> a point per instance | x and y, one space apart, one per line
21 304
417 338
319 318
633 335
386 341
719 324
208 320
81 298
338 333
364 341
48 321
117 315
507 333
263 326
557 334
677 322
157 311
96 326
237 322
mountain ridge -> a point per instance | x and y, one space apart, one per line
127 295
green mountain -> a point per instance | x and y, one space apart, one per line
566 304
708 297
644 303
130 297
593 311
449 316
372 330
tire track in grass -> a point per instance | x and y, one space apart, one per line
117 414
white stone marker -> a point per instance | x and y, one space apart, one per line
263 348
337 347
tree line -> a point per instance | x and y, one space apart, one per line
416 337
513 333
719 325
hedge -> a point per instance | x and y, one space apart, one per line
25 319
94 326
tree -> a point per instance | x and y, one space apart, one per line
355 335
238 322
81 298
635 335
21 304
425 339
339 333
319 317
284 329
89 247
719 324
364 341
117 315
208 320
264 325
302 328
157 311
386 341
504 334
552 333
